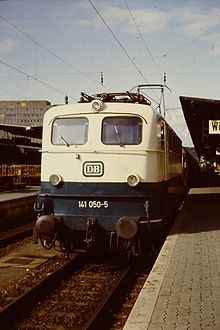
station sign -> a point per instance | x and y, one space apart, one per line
214 126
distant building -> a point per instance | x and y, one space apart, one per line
25 113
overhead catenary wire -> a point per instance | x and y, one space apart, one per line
119 43
6 91
143 40
34 78
48 50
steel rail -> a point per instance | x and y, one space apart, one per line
11 235
11 312
99 314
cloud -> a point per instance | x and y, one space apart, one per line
194 22
7 45
190 20
212 41
147 20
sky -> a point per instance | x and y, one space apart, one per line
53 48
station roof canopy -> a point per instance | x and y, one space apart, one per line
27 131
203 120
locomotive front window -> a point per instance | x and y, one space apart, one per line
122 130
70 131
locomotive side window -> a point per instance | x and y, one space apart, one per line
174 141
70 131
122 130
162 134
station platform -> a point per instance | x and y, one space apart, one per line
183 289
17 204
19 193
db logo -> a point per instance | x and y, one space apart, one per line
93 169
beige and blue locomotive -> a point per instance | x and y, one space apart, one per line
111 172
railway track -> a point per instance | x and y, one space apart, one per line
94 296
8 236
79 295
23 302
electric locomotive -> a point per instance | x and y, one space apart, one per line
111 172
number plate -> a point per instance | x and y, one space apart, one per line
93 204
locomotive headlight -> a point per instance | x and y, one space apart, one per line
133 180
55 180
97 105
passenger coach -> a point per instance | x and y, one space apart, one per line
111 172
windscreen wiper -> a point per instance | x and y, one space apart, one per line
118 136
62 138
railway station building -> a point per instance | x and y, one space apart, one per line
24 113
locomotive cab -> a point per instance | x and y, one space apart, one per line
108 176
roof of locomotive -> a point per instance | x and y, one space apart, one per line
121 97
86 103
98 103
